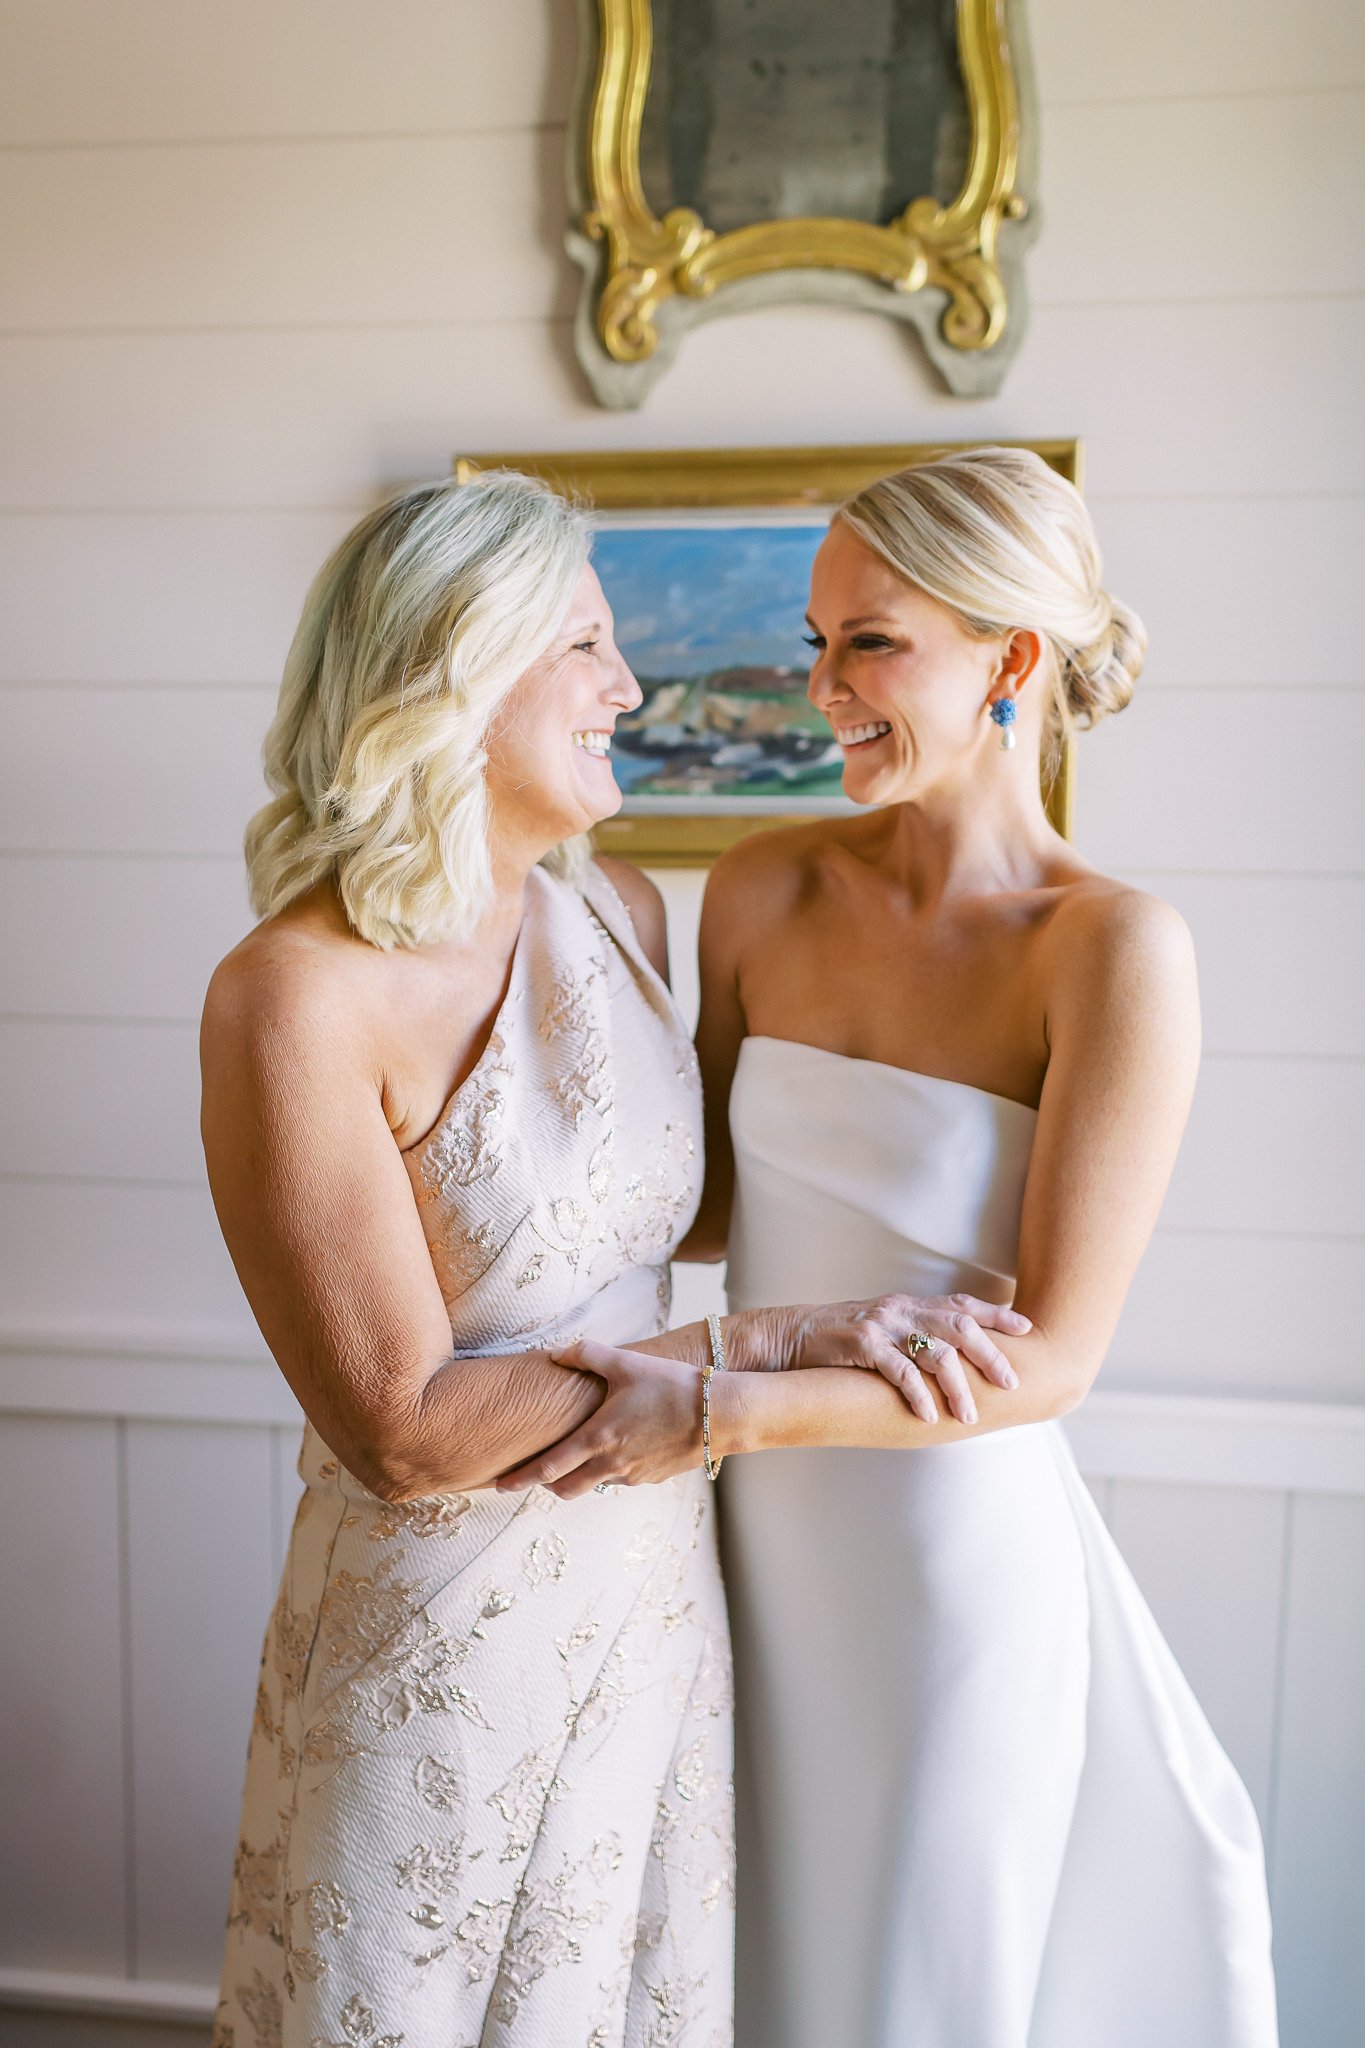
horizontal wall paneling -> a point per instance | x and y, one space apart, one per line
157 70
284 234
117 937
1168 51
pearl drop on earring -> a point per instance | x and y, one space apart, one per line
1004 711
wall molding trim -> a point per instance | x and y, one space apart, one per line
123 1998
209 1374
65 1337
205 1372
1222 1440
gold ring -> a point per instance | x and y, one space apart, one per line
918 1341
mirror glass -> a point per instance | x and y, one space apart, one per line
770 109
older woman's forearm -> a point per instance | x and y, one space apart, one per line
476 1418
472 1419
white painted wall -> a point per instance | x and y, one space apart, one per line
259 262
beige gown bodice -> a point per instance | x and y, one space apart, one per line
567 1166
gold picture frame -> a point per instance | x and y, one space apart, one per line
725 481
953 269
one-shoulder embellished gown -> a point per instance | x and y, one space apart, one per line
979 1806
488 1791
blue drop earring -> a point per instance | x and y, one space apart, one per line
1004 711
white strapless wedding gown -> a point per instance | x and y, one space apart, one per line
979 1805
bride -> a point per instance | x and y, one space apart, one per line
979 1806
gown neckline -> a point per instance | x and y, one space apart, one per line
514 978
886 1067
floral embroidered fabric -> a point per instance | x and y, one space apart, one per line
488 1791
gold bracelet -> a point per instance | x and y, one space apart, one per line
711 1465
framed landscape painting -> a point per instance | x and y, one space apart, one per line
705 556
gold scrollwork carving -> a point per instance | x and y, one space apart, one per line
952 247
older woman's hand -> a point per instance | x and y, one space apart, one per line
905 1336
648 1428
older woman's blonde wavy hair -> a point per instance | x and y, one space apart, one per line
412 634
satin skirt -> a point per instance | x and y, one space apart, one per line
979 1806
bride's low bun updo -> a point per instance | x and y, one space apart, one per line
1098 678
1007 544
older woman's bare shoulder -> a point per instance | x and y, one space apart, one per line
300 980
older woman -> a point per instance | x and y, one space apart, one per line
452 1119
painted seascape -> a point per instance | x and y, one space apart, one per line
710 618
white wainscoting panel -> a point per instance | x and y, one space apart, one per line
207 1384
1318 1873
153 1564
1211 1564
63 1782
286 1484
63 2009
682 890
202 1568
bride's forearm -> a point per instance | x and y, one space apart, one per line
850 1408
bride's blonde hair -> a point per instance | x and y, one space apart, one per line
412 634
1007 544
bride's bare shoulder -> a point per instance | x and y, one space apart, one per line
1107 941
773 870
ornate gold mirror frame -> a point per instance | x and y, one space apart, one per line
764 481
952 270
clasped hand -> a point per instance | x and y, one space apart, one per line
648 1427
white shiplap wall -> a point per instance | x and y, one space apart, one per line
259 262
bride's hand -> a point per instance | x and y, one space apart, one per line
648 1428
879 1335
